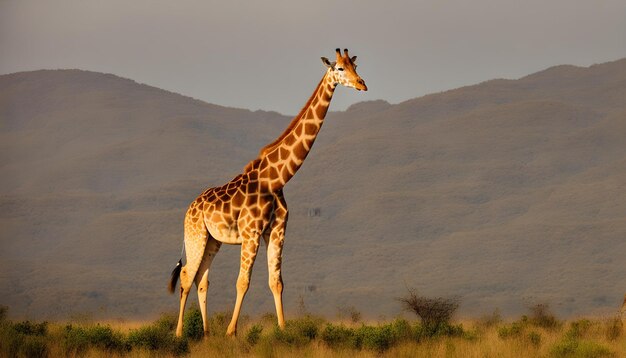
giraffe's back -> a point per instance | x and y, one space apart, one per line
225 209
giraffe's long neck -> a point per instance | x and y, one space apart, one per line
280 160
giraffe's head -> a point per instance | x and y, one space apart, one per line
343 71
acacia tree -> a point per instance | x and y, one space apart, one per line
434 312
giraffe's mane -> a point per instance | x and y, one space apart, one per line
294 122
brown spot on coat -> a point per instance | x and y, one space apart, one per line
300 151
299 129
311 129
253 186
290 140
321 111
273 172
273 156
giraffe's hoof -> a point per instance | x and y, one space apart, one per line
231 332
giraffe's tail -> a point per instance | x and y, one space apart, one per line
175 274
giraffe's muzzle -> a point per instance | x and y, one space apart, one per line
360 85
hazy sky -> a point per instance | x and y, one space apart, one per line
265 54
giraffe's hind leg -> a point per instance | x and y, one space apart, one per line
202 277
274 240
195 242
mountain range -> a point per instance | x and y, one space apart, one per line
505 194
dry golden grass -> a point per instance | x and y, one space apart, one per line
525 337
484 342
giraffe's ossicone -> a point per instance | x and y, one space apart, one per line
252 206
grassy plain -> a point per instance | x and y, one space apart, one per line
539 334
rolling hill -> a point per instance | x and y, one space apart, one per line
504 193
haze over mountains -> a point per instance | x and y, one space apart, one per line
504 193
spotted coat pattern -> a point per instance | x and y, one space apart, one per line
251 206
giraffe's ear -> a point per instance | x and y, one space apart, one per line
353 59
327 63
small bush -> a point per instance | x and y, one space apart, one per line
74 341
19 340
578 328
402 329
534 338
167 322
157 339
422 332
254 334
77 340
298 332
570 347
542 317
105 338
337 337
432 311
31 329
378 338
192 325
509 331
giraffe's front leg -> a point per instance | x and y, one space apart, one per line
249 249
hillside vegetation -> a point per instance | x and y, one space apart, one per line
501 193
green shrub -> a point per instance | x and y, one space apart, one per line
254 334
378 338
156 338
149 337
31 329
402 329
509 331
192 325
337 337
167 322
574 348
23 340
74 341
103 337
298 332
578 328
77 340
427 331
534 338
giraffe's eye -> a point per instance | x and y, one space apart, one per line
339 69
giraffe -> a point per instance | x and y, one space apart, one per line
251 206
